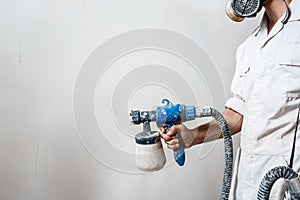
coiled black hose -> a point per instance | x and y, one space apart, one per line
292 181
271 177
228 153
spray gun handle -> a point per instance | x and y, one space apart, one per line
179 154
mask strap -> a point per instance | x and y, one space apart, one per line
287 13
295 138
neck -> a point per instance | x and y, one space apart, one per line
275 9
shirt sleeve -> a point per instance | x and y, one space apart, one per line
236 102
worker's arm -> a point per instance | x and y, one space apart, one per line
204 133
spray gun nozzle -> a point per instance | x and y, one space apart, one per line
135 116
139 117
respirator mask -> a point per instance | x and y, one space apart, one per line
238 10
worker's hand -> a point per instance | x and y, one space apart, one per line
172 142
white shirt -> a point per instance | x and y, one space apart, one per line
266 91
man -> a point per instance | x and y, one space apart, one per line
264 103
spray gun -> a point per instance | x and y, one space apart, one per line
149 153
166 116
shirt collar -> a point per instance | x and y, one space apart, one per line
263 26
295 16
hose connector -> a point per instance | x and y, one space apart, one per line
205 111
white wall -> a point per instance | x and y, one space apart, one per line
49 146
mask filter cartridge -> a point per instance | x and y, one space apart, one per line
237 10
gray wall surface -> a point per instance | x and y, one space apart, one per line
71 70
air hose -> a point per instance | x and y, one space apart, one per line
291 180
227 175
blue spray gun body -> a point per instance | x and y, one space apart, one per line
168 115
